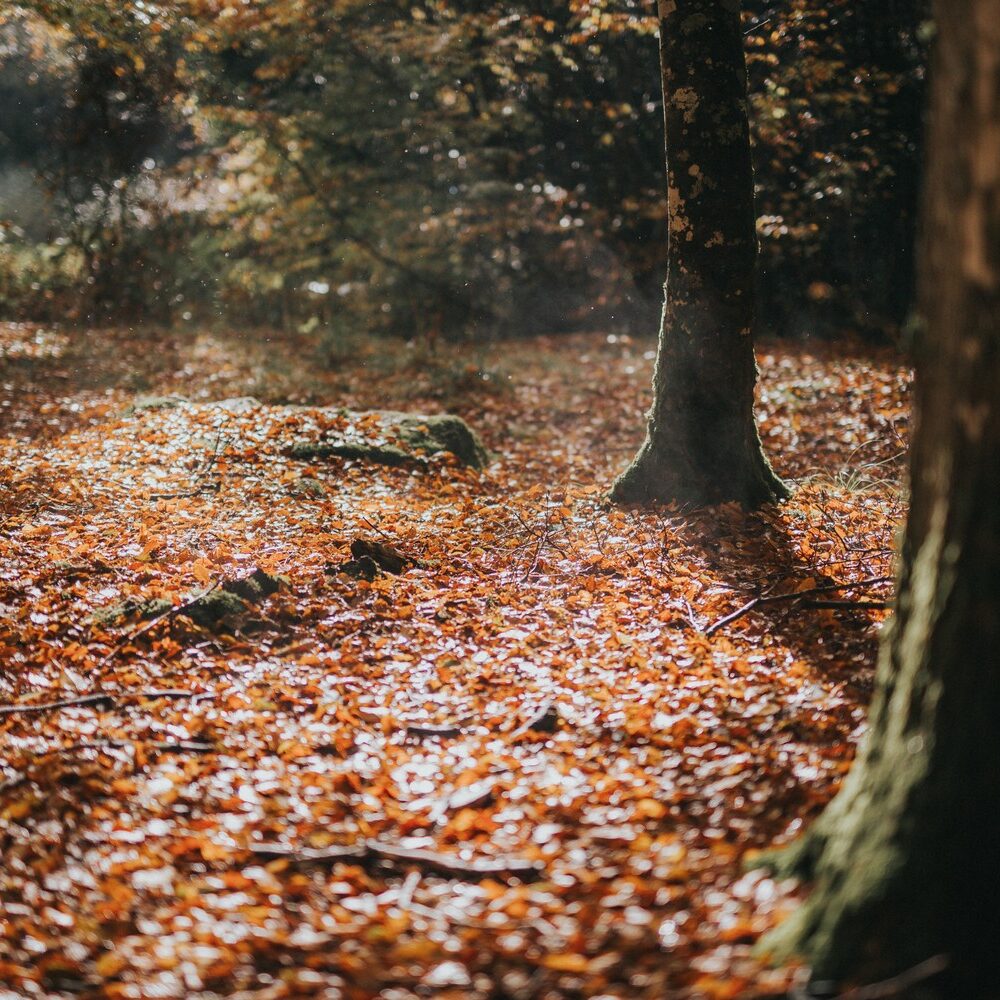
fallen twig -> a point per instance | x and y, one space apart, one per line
197 491
545 720
825 588
376 850
184 746
199 487
848 605
407 889
67 570
475 796
896 986
99 698
371 524
163 746
418 730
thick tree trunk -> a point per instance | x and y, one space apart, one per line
701 443
906 858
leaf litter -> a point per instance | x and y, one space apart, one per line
513 759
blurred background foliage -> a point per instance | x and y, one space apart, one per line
446 168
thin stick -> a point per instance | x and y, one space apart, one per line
408 888
417 731
898 985
107 697
847 605
371 524
188 494
345 852
439 864
775 598
759 24
207 467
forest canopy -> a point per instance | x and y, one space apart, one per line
440 168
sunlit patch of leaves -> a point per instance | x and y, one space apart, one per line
535 683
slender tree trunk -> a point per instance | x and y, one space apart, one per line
906 858
701 443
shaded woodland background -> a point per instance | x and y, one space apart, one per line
439 169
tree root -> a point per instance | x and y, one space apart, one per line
664 475
369 851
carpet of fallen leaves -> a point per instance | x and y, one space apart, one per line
534 711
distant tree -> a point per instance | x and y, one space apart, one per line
702 443
93 95
905 859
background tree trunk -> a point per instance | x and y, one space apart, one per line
907 856
702 444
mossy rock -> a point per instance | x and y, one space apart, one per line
234 597
307 487
255 587
143 403
369 452
210 609
131 608
364 568
402 439
443 432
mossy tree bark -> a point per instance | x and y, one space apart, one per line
702 444
905 859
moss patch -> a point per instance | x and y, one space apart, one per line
233 597
131 608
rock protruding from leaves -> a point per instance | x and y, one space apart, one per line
232 598
391 438
370 559
142 404
207 609
131 607
385 437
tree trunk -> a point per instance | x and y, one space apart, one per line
701 443
905 859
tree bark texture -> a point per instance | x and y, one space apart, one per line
702 444
906 859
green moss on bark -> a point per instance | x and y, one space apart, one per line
905 859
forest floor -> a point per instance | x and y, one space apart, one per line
526 767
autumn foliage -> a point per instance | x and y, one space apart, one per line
435 169
526 757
